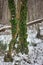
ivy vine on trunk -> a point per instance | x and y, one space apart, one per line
13 21
23 45
18 23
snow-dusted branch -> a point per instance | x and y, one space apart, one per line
35 22
4 27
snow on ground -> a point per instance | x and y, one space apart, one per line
35 55
5 38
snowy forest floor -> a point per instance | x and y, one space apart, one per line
35 54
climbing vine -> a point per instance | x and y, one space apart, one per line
23 45
23 27
13 21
